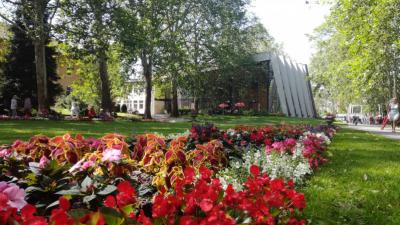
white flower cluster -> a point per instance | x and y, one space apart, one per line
276 165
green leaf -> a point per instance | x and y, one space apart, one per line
128 209
52 204
69 192
89 198
107 190
78 213
87 182
33 188
111 216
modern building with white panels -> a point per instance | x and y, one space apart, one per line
290 91
287 91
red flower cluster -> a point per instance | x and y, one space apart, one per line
314 148
203 201
126 196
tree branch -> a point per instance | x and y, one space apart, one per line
12 22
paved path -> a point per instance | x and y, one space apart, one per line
387 132
167 118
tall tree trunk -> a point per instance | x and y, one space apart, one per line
41 75
175 109
106 102
40 55
147 65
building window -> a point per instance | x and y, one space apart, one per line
141 104
135 105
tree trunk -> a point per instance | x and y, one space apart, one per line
196 105
41 75
148 75
40 56
106 102
175 109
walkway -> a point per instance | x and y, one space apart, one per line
387 132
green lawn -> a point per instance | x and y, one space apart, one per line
360 184
12 130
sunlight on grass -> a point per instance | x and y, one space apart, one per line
12 130
360 184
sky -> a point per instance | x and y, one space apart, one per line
288 21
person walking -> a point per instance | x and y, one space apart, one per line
13 107
393 115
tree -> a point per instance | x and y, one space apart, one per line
141 25
19 68
87 86
89 27
356 51
39 14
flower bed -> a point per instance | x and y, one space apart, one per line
243 175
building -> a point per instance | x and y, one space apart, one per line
286 90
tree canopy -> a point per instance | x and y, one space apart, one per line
358 49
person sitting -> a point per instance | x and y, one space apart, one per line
91 113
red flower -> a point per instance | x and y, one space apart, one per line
188 220
299 201
28 211
205 173
126 194
143 219
206 205
110 201
64 203
254 170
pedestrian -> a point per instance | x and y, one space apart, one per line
393 115
14 105
91 113
27 107
74 108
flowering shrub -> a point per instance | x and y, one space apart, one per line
204 201
240 105
277 165
113 181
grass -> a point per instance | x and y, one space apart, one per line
12 130
360 184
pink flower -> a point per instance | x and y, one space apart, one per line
111 155
43 161
290 141
15 195
239 104
5 153
87 165
223 106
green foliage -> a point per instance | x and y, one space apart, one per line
87 86
356 55
19 64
